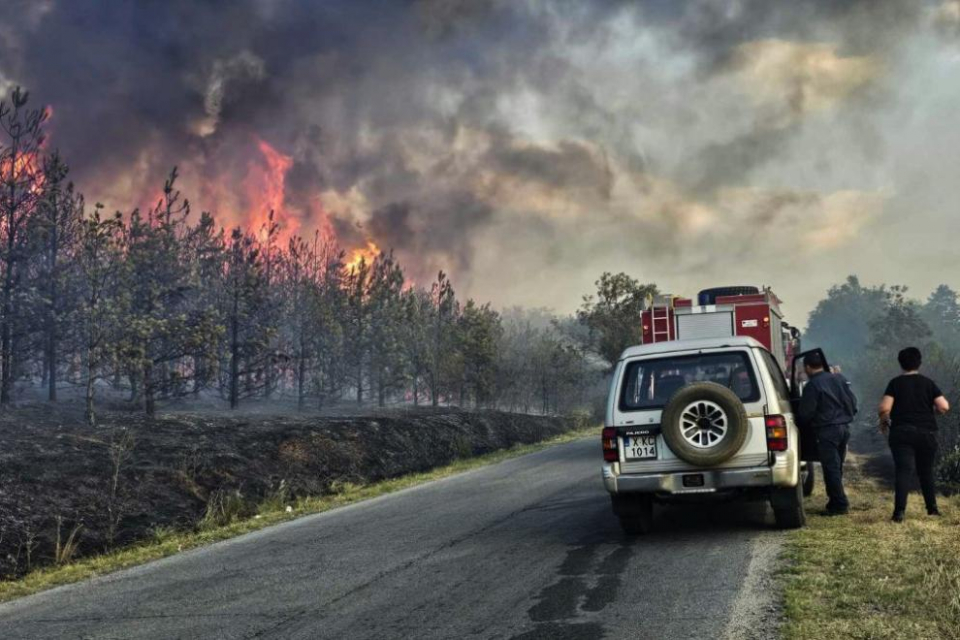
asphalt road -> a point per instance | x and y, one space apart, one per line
527 548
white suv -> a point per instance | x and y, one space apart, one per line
699 418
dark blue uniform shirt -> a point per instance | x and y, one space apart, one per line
827 400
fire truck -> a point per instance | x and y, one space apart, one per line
721 312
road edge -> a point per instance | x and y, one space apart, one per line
760 601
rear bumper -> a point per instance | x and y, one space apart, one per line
713 480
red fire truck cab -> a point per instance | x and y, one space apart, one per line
721 312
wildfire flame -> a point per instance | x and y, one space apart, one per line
26 166
367 254
265 189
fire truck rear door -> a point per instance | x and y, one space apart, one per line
714 324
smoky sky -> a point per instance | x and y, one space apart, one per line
526 146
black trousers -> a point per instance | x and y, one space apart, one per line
832 446
914 452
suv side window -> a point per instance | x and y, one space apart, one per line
776 373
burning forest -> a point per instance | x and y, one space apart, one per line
165 303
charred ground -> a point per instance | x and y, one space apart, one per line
133 476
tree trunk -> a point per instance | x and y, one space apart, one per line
268 375
359 384
234 356
134 387
149 399
89 414
416 387
199 374
301 379
52 315
381 390
6 334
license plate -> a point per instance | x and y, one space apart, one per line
640 448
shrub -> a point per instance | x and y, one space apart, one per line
223 508
948 472
275 500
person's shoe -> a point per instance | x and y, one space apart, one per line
934 512
897 516
830 513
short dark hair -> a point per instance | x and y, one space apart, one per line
910 359
813 360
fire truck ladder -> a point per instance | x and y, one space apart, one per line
660 318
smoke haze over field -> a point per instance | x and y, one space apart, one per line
526 146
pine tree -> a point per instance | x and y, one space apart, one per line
103 302
53 233
244 302
21 182
444 310
164 332
357 323
386 322
479 332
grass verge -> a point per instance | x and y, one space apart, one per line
868 578
168 542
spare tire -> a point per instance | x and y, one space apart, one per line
704 423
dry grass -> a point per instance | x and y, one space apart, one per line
864 577
227 521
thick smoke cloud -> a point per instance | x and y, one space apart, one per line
525 146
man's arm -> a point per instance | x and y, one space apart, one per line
883 412
854 401
940 405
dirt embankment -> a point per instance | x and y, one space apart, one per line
125 479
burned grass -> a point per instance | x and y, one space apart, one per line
70 492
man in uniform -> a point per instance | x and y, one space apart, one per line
828 406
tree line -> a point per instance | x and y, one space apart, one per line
163 304
862 328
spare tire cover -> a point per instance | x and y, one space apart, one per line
704 423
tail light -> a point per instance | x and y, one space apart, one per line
609 437
776 433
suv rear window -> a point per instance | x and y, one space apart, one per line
648 384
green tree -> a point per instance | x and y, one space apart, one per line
942 314
442 318
478 335
103 301
21 181
357 324
53 233
840 323
164 329
612 315
327 322
386 325
417 308
244 300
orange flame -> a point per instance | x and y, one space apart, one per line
367 254
265 189
26 166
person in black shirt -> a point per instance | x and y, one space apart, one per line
828 406
908 412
